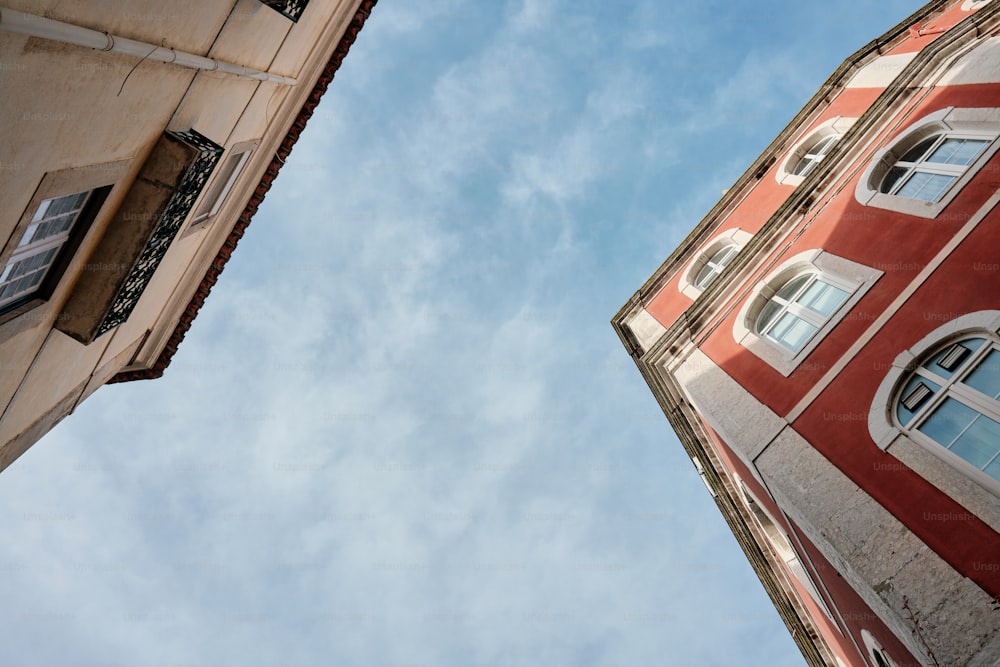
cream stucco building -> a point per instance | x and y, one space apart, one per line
138 139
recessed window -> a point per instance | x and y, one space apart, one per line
803 158
711 261
39 247
952 399
929 164
798 304
814 155
927 170
799 309
715 265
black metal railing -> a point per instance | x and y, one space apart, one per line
291 8
170 222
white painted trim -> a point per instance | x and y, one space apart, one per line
984 122
834 126
881 71
685 285
645 327
851 276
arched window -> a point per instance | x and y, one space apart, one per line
813 155
798 304
715 265
806 155
799 309
928 164
953 400
711 260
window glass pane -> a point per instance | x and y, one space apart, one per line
918 151
894 175
804 165
926 187
792 286
822 298
986 376
993 468
942 357
767 315
964 431
903 414
958 151
792 332
980 443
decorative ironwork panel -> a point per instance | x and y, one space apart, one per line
291 8
170 222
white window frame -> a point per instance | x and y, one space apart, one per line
27 249
834 127
972 487
978 123
854 278
230 168
686 285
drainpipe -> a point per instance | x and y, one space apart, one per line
39 26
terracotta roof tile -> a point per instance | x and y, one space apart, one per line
284 149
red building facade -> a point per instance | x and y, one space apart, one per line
825 343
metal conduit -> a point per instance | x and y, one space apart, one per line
39 26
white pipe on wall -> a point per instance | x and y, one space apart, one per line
39 26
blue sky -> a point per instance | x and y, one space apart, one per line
402 431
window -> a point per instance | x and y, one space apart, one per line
798 304
39 247
806 155
922 427
710 262
38 262
814 155
926 166
953 400
928 169
222 183
714 266
781 545
799 309
969 5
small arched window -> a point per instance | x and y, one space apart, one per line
807 154
715 265
813 155
952 399
799 309
711 261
